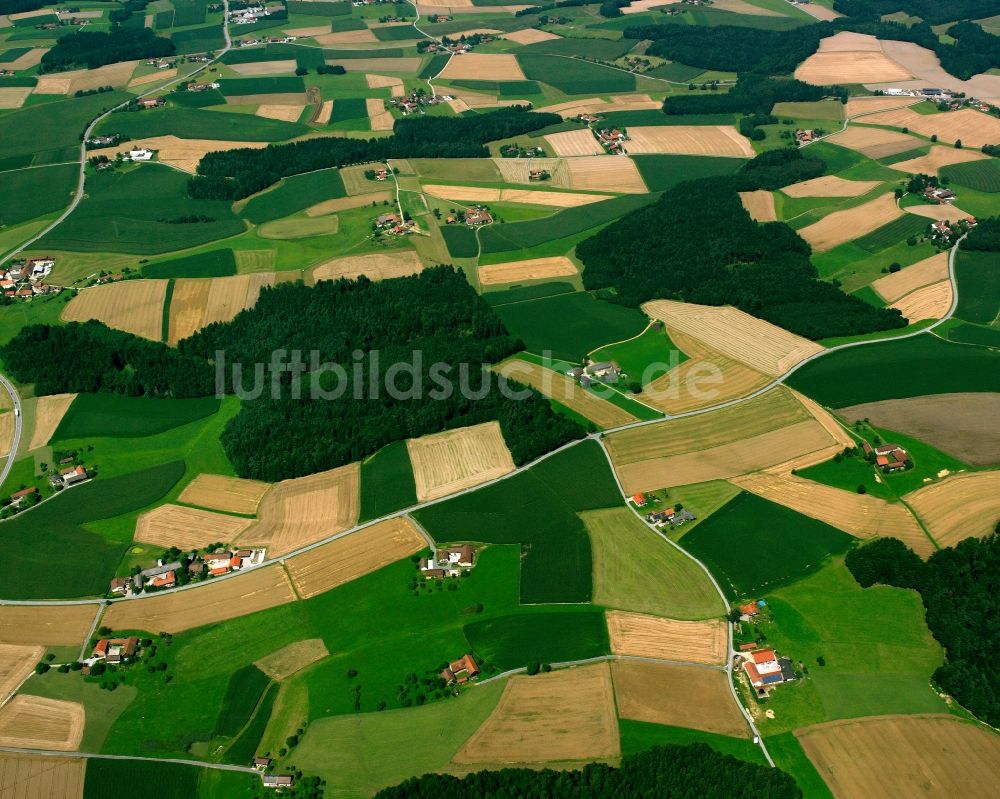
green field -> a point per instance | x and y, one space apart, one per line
213 263
644 358
638 736
848 474
240 87
319 9
635 569
349 108
974 334
534 291
294 194
753 545
387 482
244 690
508 642
662 172
573 75
675 71
896 231
978 175
397 33
978 289
507 88
33 192
460 240
93 415
193 123
570 325
159 780
789 756
601 49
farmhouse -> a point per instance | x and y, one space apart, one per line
18 496
150 102
116 650
749 609
120 585
386 220
261 763
891 457
165 580
73 475
764 669
139 154
478 216
938 194
538 174
460 671
278 780
639 500
675 517
449 562
605 371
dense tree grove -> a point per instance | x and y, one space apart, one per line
752 94
960 587
95 49
91 357
776 168
985 236
435 317
235 174
20 6
933 11
713 253
695 771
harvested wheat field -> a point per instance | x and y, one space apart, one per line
85 79
680 696
34 722
355 181
25 776
285 113
869 105
197 302
559 387
575 143
843 226
45 625
973 127
404 65
935 159
960 506
184 154
483 66
323 113
153 77
258 589
6 431
298 227
347 203
850 58
377 266
639 635
554 199
830 186
285 67
379 118
392 82
963 425
28 60
942 212
561 716
454 460
923 273
596 105
605 173
362 36
639 6
760 345
717 140
929 302
530 36
230 494
17 662
352 556
135 306
822 13
874 142
308 32
760 205
515 170
532 269
292 658
187 528
271 98
885 757
304 510
13 96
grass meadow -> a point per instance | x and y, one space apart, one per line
244 690
636 356
97 415
29 193
573 75
211 263
192 123
662 172
387 482
638 736
164 780
508 642
978 175
978 291
294 194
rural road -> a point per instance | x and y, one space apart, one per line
15 399
96 756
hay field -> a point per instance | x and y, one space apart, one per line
255 68
299 227
25 776
515 170
16 665
308 32
197 302
483 66
830 186
45 625
183 154
353 556
717 140
680 696
942 212
292 658
6 431
323 113
347 203
30 59
405 64
561 716
34 722
230 494
153 77
377 266
304 510
385 82
258 589
559 387
604 173
935 159
362 36
958 507
574 143
451 461
923 273
760 345
929 302
835 65
530 36
280 111
379 118
554 199
760 205
868 105
355 181
13 96
135 306
84 79
973 127
639 635
598 105
874 142
187 528
532 269
884 757
49 411
843 226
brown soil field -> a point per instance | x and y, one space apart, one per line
938 157
595 105
135 306
30 59
16 665
874 142
33 722
197 302
639 635
180 153
39 777
346 203
292 658
187 528
458 105
742 7
286 113
362 36
530 36
392 82
680 696
760 345
822 13
973 127
377 266
13 97
843 226
925 65
561 716
717 140
153 77
355 181
304 510
639 6
85 79
944 212
930 302
533 269
483 66
605 173
315 30
353 556
848 41
830 186
760 205
447 462
898 284
230 494
867 105
564 390
555 199
265 68
403 65
963 425
575 142
960 506
323 113
885 757
45 625
850 67
259 589
380 118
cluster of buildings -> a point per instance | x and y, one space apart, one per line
24 278
165 574
248 15
149 102
394 224
608 372
414 101
943 233
194 86
765 670
114 650
70 476
674 517
888 457
939 194
265 40
460 671
515 150
448 562
474 217
262 764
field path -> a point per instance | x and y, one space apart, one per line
95 756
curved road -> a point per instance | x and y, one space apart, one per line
18 420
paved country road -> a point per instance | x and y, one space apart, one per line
18 421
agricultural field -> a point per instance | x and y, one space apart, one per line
959 507
36 776
43 625
135 306
16 664
449 462
638 635
187 528
227 494
32 722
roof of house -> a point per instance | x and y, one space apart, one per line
752 672
464 663
23 492
763 656
218 571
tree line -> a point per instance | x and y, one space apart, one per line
234 174
752 94
985 236
695 771
94 49
932 11
960 588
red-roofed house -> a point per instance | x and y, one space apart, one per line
639 500
168 580
461 670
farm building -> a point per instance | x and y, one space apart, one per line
461 670
478 216
891 457
116 650
765 669
278 780
675 518
449 562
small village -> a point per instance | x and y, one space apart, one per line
24 278
175 569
